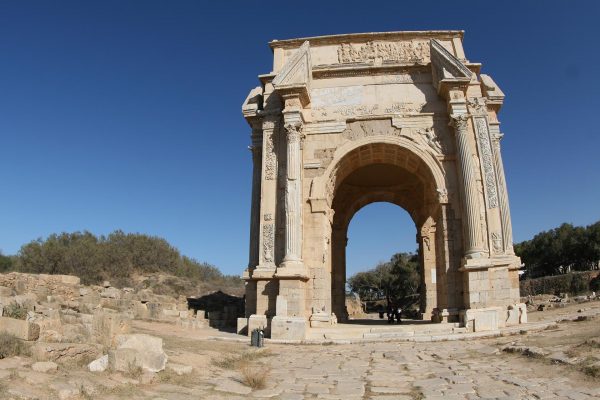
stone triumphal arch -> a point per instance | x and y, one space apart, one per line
347 120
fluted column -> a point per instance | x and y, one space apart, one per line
470 195
502 196
256 150
293 195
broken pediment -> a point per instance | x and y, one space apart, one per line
296 75
253 103
490 89
446 68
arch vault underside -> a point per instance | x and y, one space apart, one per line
348 120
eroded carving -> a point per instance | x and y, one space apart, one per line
405 108
487 161
270 158
431 139
497 242
352 111
478 105
268 242
360 129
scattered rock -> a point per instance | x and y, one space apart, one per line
99 365
140 350
179 369
44 366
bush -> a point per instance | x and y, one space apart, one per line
117 257
11 346
14 310
254 376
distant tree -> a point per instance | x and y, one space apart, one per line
397 279
6 263
561 250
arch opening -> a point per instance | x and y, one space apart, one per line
384 172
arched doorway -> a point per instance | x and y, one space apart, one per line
381 237
384 172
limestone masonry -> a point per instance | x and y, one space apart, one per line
346 120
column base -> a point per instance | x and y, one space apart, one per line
445 315
292 269
288 328
262 272
493 318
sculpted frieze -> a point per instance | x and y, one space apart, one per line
360 129
409 52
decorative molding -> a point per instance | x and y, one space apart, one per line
268 242
324 127
442 196
268 217
406 52
270 157
497 242
487 159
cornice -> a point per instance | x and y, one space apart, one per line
360 37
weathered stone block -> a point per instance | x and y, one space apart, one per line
288 328
482 319
257 321
5 291
142 350
242 326
65 352
106 326
22 329
281 307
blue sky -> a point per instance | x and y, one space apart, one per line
126 114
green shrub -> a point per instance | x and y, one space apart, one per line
15 310
11 346
117 258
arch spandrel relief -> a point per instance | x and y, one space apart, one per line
401 117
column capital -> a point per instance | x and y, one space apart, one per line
294 131
459 121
